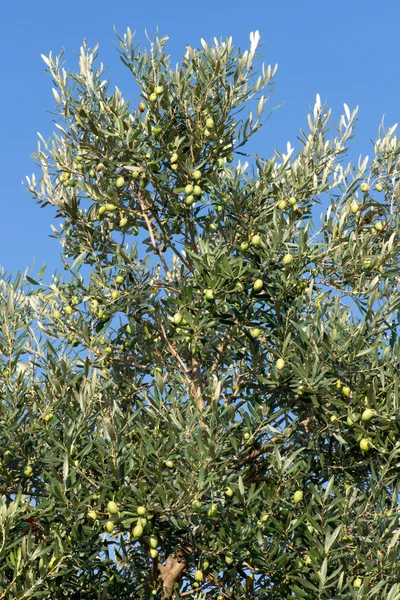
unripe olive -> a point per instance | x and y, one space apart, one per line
112 507
153 541
110 526
287 259
197 191
354 207
298 496
255 332
138 531
367 414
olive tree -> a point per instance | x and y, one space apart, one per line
205 404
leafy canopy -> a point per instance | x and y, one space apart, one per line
206 403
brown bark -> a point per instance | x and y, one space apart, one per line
171 573
196 385
254 453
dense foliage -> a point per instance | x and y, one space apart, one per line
206 403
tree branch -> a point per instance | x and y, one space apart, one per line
152 238
256 452
171 574
196 384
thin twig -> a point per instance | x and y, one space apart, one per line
174 352
171 245
256 452
152 238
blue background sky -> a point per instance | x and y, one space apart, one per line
347 51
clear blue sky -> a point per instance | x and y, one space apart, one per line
345 51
